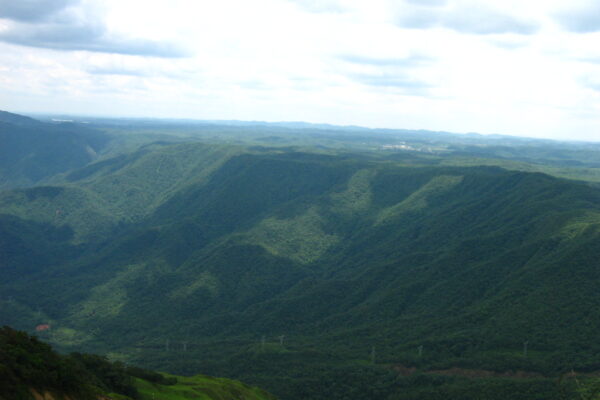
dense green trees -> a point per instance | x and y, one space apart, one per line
181 257
26 363
32 150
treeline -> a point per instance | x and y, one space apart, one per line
308 375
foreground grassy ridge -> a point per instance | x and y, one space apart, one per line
28 365
200 387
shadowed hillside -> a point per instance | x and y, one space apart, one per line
293 270
31 150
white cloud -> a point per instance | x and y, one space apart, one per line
465 17
32 10
70 25
320 6
488 66
581 16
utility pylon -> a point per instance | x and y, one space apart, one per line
373 355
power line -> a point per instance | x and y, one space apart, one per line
373 355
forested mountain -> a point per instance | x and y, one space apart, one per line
31 150
312 273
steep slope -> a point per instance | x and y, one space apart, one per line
327 258
19 120
30 369
97 198
31 150
201 387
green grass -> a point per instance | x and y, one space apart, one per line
201 387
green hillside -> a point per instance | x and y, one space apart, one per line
30 368
200 387
313 274
32 151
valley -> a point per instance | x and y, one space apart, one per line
315 262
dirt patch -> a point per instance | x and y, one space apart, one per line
41 396
469 373
481 373
49 396
404 371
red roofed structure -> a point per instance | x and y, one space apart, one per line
42 327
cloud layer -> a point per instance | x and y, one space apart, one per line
393 73
581 18
57 25
488 66
32 10
469 19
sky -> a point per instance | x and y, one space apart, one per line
516 67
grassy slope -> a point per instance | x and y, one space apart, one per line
28 365
201 387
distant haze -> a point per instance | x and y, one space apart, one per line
527 68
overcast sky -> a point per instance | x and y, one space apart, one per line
518 67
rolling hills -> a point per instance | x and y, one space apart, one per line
310 273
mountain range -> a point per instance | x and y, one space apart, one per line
314 271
